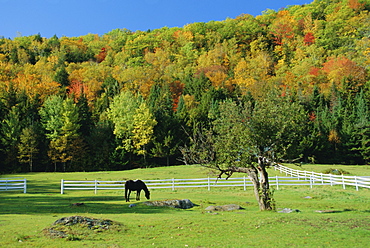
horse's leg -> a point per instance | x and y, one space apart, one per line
127 198
138 195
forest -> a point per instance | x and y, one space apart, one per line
129 99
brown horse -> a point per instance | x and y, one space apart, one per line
137 186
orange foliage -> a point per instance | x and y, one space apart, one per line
309 39
355 4
283 27
76 89
33 85
101 56
176 89
340 68
215 73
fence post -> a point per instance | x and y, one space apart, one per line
322 179
173 184
25 186
209 184
62 187
356 183
344 185
245 184
311 181
331 179
95 187
277 182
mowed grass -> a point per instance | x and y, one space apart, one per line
23 217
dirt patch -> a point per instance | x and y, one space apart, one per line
79 227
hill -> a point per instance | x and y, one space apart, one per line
62 97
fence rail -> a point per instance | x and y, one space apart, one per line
7 184
296 179
326 179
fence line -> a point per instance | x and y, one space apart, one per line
326 179
309 179
7 184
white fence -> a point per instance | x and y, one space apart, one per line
325 179
297 178
7 184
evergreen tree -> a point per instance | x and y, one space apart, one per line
166 132
61 76
11 131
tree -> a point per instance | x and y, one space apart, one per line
51 118
121 112
28 146
142 132
248 139
11 130
166 139
58 151
60 119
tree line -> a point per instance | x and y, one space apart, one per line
131 99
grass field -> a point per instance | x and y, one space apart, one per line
345 221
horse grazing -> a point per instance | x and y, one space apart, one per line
137 186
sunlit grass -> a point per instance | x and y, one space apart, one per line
346 223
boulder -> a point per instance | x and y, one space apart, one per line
83 226
183 204
229 207
289 210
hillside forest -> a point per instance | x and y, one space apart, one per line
129 99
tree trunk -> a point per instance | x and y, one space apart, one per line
266 200
261 185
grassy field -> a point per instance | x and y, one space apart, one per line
345 221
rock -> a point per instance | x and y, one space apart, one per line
326 211
183 204
132 205
229 207
77 204
289 210
81 224
89 222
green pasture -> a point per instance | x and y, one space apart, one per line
344 220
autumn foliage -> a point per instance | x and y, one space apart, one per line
317 54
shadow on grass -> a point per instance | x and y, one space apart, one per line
41 204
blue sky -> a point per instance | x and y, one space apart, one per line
80 17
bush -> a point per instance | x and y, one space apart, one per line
335 171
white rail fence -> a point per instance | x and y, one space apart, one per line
326 179
7 184
309 179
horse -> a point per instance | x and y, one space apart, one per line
137 186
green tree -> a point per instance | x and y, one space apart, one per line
51 116
250 139
121 112
61 76
142 132
11 130
166 135
28 146
60 119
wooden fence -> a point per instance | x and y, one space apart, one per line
295 179
7 184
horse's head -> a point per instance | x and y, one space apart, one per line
147 194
